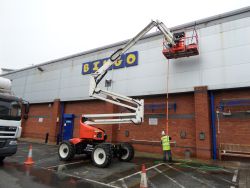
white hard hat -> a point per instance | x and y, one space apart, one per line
163 133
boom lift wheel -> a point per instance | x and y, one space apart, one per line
127 152
102 155
66 151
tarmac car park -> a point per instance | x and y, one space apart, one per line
49 171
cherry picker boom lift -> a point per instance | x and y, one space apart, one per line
92 139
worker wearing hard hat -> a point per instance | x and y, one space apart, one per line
165 141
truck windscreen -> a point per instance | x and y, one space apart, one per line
10 109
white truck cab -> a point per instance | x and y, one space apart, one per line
10 119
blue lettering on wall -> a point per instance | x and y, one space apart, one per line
127 60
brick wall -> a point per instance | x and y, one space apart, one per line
40 121
181 119
189 115
202 123
145 136
233 129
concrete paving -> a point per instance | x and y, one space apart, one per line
48 172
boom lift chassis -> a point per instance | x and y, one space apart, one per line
92 140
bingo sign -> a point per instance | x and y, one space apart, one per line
127 60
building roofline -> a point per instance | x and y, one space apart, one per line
196 23
7 69
213 18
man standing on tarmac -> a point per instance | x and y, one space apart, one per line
165 141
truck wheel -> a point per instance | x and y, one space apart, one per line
1 159
102 155
66 151
127 153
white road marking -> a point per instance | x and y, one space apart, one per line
44 160
226 170
232 187
65 164
204 172
195 178
124 185
84 179
135 173
169 178
89 180
235 176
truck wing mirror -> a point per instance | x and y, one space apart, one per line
26 105
26 108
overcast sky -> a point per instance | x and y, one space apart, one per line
36 31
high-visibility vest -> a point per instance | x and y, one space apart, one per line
165 143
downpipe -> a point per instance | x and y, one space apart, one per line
213 127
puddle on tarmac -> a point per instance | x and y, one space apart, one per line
32 176
68 166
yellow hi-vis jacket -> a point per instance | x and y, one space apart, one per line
165 143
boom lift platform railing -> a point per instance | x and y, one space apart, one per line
186 46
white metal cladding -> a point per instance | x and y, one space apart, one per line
224 62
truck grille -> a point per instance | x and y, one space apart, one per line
7 131
7 134
2 143
8 128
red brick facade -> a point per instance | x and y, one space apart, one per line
202 123
234 128
42 119
189 121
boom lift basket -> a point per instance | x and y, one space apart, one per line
186 46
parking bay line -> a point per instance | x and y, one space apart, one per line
124 185
235 176
84 179
204 172
121 179
156 169
93 181
65 164
45 159
195 178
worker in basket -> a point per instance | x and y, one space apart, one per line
165 142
